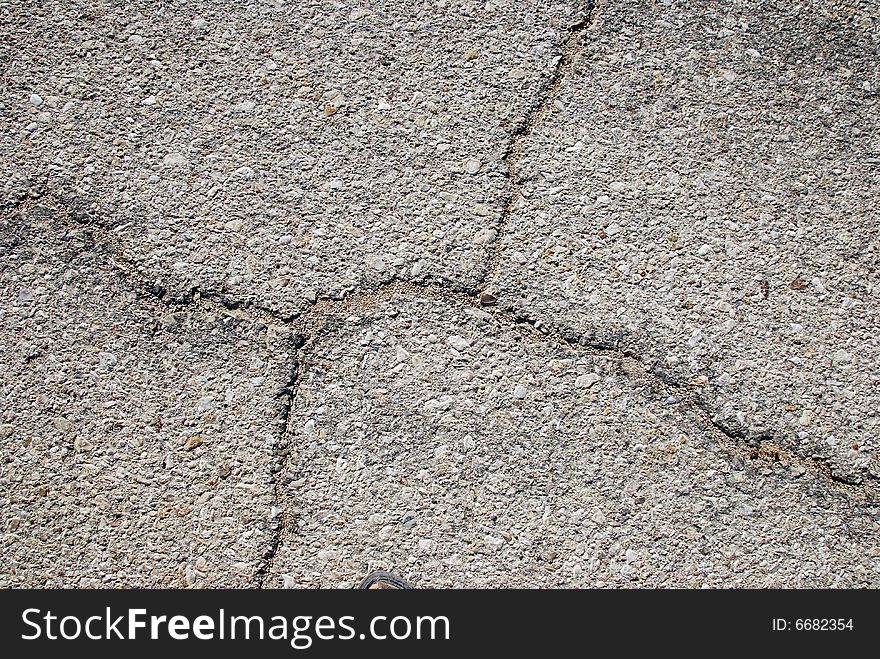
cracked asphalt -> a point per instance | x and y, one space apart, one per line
489 294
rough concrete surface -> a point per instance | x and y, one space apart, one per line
279 152
456 450
707 199
490 294
136 440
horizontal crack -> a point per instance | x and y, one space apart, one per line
105 236
308 326
762 445
313 323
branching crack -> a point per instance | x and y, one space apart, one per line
309 326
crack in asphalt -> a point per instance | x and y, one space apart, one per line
534 116
280 451
309 326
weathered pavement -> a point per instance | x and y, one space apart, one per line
489 294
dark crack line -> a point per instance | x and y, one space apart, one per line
102 238
101 234
757 445
523 131
281 519
310 326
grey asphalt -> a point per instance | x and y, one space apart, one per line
489 294
707 199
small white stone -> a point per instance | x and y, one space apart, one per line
841 357
174 160
586 380
36 100
484 236
458 342
376 263
442 404
520 392
493 541
149 100
472 165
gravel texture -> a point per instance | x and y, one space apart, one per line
707 199
489 293
136 440
278 152
432 440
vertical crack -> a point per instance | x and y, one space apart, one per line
307 325
534 117
279 516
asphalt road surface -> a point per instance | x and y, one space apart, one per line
489 294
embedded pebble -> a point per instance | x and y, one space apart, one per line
472 165
586 380
174 160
